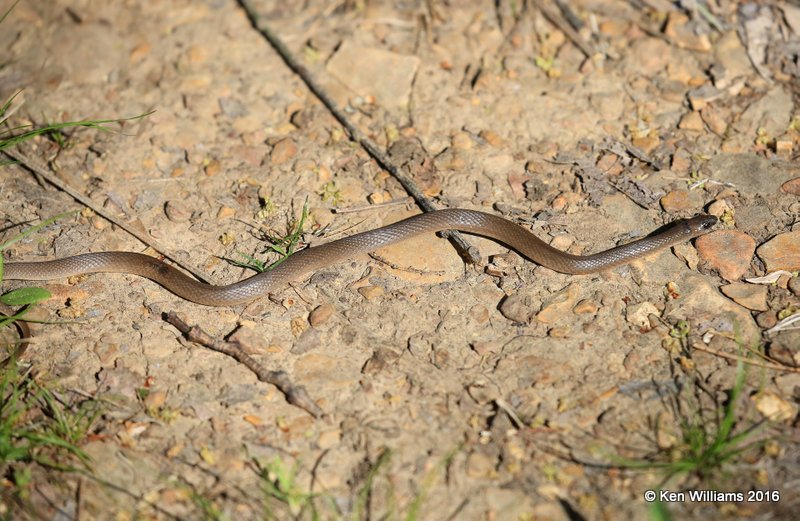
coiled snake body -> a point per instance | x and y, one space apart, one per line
312 259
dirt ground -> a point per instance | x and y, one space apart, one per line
500 391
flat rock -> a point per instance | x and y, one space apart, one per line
751 173
747 295
732 55
792 186
559 305
727 251
709 310
425 259
682 200
782 252
374 72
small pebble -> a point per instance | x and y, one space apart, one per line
558 306
225 212
517 308
213 168
794 285
321 314
371 292
792 186
783 146
284 150
691 121
766 319
487 348
479 465
479 313
329 439
461 141
176 212
585 307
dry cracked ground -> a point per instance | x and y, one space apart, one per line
491 391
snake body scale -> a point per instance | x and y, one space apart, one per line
311 259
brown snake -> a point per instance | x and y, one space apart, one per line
312 259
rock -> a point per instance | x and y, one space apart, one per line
715 120
691 121
425 259
678 30
559 305
682 200
213 168
493 138
784 146
766 320
638 315
782 252
374 72
371 292
719 208
487 348
739 169
650 56
747 295
232 107
176 212
461 140
770 114
479 313
785 347
646 144
681 161
321 314
380 359
794 285
480 465
307 341
774 407
687 254
329 439
155 400
700 97
225 212
610 106
250 339
320 371
283 151
707 309
585 307
518 308
727 251
731 55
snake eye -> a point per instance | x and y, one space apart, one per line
708 222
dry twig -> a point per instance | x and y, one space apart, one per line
41 171
295 394
463 247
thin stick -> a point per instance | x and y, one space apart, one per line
744 360
565 28
38 169
370 207
470 252
295 394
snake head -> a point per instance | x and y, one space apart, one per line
701 224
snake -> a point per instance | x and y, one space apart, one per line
312 259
